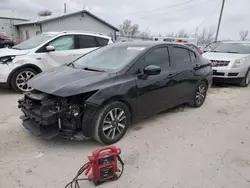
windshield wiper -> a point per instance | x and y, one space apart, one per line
71 64
91 69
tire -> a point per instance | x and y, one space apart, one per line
111 126
18 76
7 46
246 80
199 95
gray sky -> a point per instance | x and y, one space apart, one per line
155 15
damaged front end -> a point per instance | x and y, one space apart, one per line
48 116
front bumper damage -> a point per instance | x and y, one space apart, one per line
49 116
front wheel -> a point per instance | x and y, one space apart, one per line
111 123
200 95
20 78
246 80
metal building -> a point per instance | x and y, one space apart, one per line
78 21
8 19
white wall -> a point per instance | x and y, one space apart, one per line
32 29
77 22
7 27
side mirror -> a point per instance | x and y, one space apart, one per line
152 70
50 48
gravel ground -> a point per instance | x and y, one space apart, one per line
207 147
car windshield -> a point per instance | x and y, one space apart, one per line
34 41
239 48
110 57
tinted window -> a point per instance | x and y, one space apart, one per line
63 43
102 41
85 41
180 56
192 56
158 57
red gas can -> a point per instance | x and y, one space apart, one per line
103 164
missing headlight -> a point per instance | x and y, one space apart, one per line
6 59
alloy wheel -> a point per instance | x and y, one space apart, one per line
200 94
114 123
22 79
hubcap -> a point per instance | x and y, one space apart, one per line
22 79
200 94
114 123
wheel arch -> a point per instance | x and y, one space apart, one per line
120 99
32 66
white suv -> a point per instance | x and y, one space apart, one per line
231 62
43 52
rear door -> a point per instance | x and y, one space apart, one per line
184 61
154 92
85 44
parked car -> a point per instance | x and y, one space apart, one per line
43 52
100 94
5 42
231 62
195 48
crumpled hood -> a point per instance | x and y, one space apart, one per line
12 52
67 81
223 56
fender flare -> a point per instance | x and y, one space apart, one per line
35 67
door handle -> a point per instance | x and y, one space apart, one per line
39 58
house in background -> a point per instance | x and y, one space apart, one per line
8 19
77 21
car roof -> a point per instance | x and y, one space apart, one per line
237 42
78 33
146 44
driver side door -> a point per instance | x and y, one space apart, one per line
65 47
154 92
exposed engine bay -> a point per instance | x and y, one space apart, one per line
48 116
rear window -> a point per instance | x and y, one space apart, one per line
180 56
102 41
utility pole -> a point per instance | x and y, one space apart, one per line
65 8
218 27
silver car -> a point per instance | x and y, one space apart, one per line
231 62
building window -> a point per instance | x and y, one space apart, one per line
27 35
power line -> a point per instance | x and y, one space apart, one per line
209 16
181 10
146 11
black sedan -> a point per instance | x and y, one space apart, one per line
100 94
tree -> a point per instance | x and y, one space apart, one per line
182 33
129 29
44 13
206 36
243 34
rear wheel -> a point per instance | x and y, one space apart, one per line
111 123
199 95
20 78
246 80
